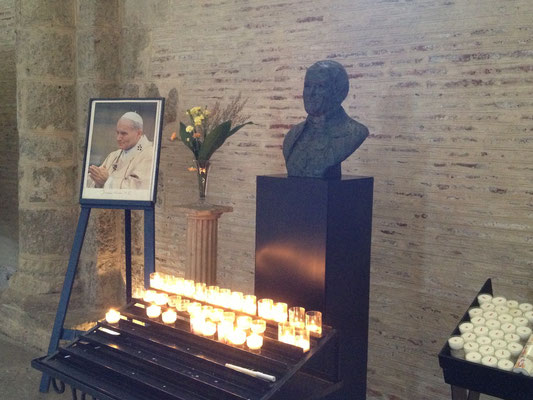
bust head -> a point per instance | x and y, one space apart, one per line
325 88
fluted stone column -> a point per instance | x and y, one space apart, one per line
202 241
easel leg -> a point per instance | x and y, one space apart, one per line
127 247
149 245
57 331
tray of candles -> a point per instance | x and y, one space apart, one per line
491 349
184 340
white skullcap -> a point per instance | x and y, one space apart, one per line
134 117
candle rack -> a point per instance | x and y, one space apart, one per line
469 379
141 358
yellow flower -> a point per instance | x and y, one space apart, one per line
173 136
198 121
189 129
207 112
195 110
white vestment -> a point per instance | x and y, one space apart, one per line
128 169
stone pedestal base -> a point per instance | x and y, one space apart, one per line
202 237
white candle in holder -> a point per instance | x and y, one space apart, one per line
529 316
512 304
484 298
483 340
466 327
486 350
112 316
502 309
525 307
499 344
524 332
153 311
469 337
520 321
493 324
471 346
508 328
169 316
511 337
474 357
489 361
515 349
499 301
502 354
481 331
503 318
475 312
487 307
505 365
254 341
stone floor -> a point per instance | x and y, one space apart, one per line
18 380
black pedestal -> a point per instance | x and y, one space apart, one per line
313 250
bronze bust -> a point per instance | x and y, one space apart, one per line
316 147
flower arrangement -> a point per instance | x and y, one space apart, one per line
207 131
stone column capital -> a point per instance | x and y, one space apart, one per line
203 210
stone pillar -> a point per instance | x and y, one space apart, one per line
202 241
46 115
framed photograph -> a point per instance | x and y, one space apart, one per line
122 151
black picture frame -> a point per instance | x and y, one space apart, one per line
133 172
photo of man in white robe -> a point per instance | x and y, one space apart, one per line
129 167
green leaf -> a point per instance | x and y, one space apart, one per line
189 143
216 138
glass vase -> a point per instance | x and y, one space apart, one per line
202 171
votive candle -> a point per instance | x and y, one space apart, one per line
112 316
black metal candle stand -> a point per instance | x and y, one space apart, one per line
478 378
141 358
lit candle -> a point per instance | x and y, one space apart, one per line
169 316
153 311
188 287
250 304
224 329
264 308
224 297
209 328
194 308
301 338
286 332
236 301
258 326
279 312
297 317
156 280
197 322
160 299
244 322
254 341
229 316
200 291
237 337
173 300
183 304
217 315
149 295
313 322
112 316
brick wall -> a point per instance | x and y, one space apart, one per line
445 89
